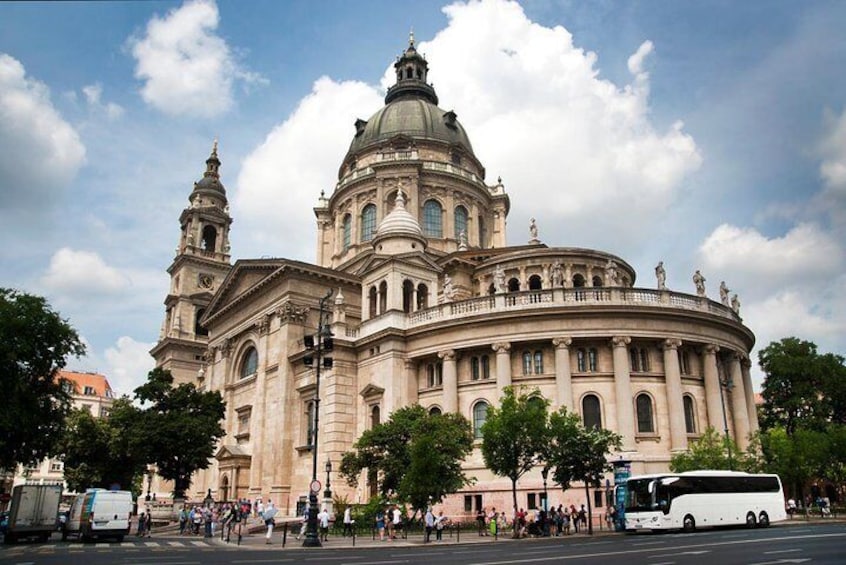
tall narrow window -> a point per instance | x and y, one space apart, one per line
535 282
592 359
460 222
433 219
644 359
346 232
480 414
591 413
209 238
538 362
199 328
513 285
634 360
249 363
527 363
486 367
689 414
383 297
407 295
375 416
422 296
372 299
645 424
580 360
684 361
368 222
474 368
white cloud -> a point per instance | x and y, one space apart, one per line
537 114
803 254
82 273
128 363
41 153
833 149
187 69
93 93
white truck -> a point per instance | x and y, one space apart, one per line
34 511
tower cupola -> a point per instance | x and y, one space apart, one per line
412 72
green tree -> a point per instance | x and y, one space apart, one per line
415 455
180 425
35 343
710 451
514 436
796 458
101 452
576 453
801 389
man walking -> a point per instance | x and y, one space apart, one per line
430 523
348 521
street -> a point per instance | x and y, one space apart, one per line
820 543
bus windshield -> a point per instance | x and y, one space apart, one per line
641 495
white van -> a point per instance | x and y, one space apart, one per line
99 513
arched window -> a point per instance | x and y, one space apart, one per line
527 363
375 416
368 222
597 281
346 232
433 219
535 282
460 221
592 359
538 362
480 414
492 289
422 296
383 296
689 414
513 285
486 367
435 411
580 360
591 412
209 238
199 329
578 281
645 424
372 299
474 369
407 295
249 363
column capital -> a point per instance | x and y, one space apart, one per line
447 355
711 349
671 344
502 347
409 363
620 340
562 342
745 361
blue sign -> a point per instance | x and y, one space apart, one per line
622 472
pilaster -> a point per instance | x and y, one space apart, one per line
563 375
503 365
623 391
675 404
450 384
713 400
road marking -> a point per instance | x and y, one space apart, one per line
151 543
127 544
101 545
678 554
781 561
381 562
645 550
781 551
176 544
260 560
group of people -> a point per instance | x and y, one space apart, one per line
555 522
390 521
209 518
145 524
436 524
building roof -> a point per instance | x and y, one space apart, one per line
99 383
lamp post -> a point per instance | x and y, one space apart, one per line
319 343
327 494
149 483
545 475
727 384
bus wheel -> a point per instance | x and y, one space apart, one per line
763 520
689 524
750 520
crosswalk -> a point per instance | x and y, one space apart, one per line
135 544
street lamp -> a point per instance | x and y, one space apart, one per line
545 475
727 384
149 482
319 343
327 494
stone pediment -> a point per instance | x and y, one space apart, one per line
230 452
417 259
371 391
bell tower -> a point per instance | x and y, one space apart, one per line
201 263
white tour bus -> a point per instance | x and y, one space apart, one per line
671 501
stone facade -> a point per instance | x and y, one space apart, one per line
430 306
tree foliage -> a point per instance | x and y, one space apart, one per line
34 345
180 425
711 451
417 456
802 388
514 436
101 452
576 453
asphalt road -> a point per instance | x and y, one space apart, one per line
814 544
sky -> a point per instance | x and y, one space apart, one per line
708 135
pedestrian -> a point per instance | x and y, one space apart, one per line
148 525
440 523
269 516
323 522
480 521
493 525
183 521
142 523
396 521
305 523
583 516
348 521
380 523
429 520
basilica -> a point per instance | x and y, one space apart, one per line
426 303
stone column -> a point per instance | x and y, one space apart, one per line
751 407
713 394
450 385
675 404
503 365
563 377
740 415
623 391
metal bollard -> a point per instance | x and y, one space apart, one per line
353 533
458 532
284 533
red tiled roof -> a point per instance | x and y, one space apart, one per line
98 382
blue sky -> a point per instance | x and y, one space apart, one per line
709 135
